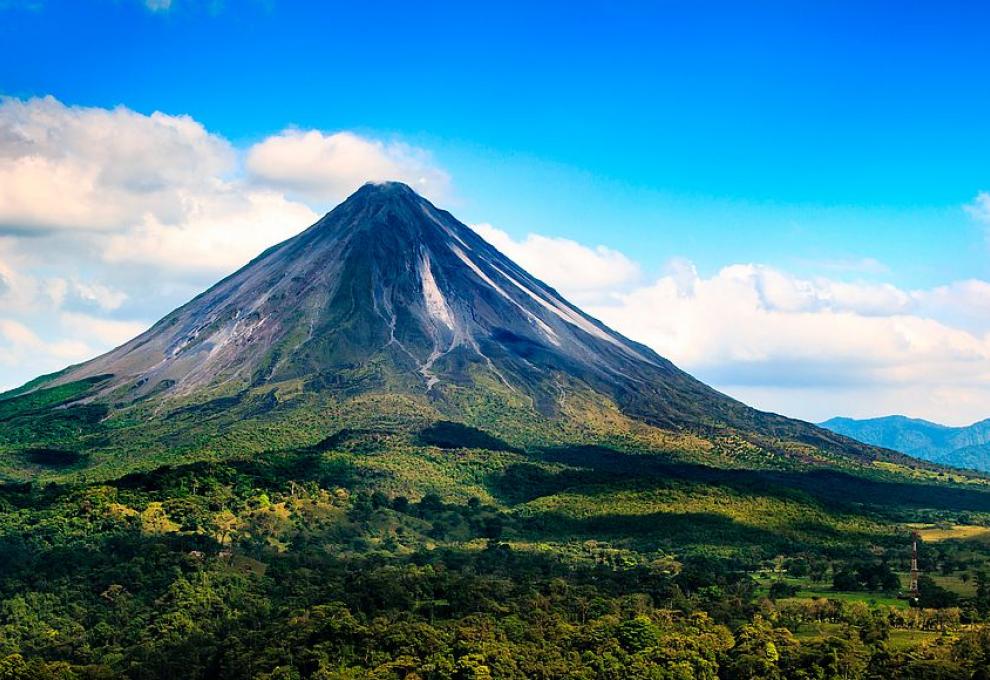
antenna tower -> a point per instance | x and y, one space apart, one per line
914 563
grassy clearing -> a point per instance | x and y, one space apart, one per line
931 533
809 590
901 639
907 638
927 475
816 631
849 596
956 584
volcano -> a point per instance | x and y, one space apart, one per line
387 294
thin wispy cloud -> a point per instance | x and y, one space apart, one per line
979 209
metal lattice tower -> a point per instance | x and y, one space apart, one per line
914 562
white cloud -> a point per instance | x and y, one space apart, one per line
77 168
100 331
104 297
328 167
980 207
23 293
161 190
158 5
109 218
811 347
220 232
37 332
586 273
965 304
764 333
747 321
23 352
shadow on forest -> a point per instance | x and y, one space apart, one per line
594 466
263 471
450 435
662 527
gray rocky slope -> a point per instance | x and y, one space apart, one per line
389 293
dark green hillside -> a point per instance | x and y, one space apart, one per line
287 534
371 557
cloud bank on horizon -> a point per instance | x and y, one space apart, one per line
109 218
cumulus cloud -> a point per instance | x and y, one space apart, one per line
980 207
813 347
74 337
760 332
17 342
220 232
965 304
22 293
24 352
94 169
163 191
109 218
328 167
100 331
40 332
747 321
104 297
587 273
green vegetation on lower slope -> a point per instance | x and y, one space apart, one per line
366 556
219 424
280 533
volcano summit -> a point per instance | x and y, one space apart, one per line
389 295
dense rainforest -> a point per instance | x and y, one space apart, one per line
303 564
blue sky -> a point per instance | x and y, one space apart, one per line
863 122
841 141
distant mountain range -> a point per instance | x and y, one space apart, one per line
967 447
